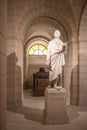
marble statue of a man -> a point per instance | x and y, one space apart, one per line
55 60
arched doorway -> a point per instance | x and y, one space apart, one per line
35 52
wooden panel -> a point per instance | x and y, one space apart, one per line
41 83
40 86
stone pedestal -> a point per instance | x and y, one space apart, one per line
55 106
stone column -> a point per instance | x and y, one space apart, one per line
3 63
14 60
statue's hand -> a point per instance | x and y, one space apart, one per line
63 48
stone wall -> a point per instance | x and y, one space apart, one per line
21 15
83 59
14 60
34 64
68 71
74 74
3 68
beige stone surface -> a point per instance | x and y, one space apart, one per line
30 117
55 106
3 60
23 19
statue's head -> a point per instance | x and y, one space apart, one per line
57 33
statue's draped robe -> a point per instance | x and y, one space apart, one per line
55 58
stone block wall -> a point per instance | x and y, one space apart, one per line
68 71
74 88
14 60
34 64
83 59
18 23
3 64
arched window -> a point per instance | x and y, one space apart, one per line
38 50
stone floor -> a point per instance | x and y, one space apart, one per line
30 116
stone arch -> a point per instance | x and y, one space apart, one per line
29 14
67 28
48 21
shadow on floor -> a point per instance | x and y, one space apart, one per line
37 114
30 113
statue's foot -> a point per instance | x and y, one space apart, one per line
57 87
49 86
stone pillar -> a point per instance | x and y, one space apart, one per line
83 59
14 60
55 106
3 63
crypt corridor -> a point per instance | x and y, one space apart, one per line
24 24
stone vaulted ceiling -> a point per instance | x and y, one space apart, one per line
42 17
